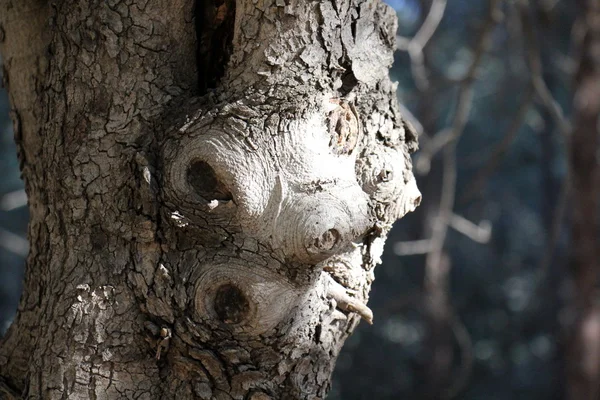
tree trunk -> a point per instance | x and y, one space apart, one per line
583 347
205 214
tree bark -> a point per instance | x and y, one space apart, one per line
583 347
205 214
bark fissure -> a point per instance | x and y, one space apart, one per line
214 30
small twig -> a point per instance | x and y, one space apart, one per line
347 303
500 149
479 233
534 61
447 136
564 127
465 96
448 142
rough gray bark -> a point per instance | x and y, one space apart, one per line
216 246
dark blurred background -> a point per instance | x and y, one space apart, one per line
472 299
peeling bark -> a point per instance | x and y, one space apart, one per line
209 237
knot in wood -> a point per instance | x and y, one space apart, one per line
243 297
323 223
325 242
382 176
385 175
230 304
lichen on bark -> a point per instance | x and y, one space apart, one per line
213 244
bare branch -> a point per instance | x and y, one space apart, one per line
448 141
537 73
465 97
501 148
416 45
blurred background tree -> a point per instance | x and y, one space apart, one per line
476 297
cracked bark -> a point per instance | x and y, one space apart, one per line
191 238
